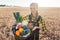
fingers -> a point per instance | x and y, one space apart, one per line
35 28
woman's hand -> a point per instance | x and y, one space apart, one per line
35 28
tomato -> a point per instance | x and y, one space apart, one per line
20 26
30 24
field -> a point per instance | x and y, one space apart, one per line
51 15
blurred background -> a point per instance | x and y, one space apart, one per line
48 9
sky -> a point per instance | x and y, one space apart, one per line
26 3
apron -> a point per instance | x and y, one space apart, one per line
34 34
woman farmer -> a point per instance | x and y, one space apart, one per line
36 20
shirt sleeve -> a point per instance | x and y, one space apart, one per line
43 24
25 18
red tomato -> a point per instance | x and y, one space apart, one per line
30 24
20 26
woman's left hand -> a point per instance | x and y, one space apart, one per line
35 28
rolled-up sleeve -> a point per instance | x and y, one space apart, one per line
43 24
